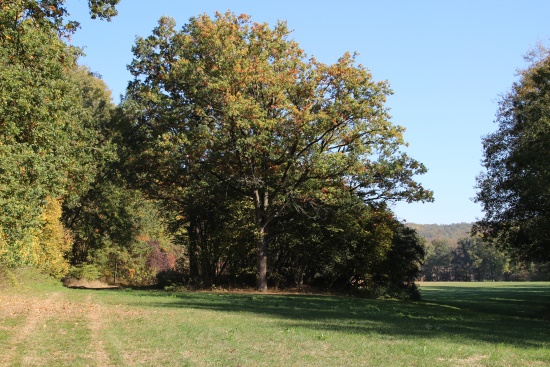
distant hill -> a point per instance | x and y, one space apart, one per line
452 232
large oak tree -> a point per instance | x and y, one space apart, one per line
240 103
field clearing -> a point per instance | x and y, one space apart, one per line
456 324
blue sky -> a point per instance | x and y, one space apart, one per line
447 62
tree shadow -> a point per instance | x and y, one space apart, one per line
433 318
530 300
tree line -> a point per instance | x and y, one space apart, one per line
234 159
452 232
472 259
454 252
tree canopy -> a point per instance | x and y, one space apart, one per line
51 115
515 188
52 13
230 142
238 104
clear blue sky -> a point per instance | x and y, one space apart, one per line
447 62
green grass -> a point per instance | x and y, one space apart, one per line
456 324
521 299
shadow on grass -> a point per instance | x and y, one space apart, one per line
478 314
530 300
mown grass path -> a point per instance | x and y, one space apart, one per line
457 324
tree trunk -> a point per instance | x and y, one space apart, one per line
262 260
261 204
192 252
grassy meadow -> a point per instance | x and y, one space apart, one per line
456 324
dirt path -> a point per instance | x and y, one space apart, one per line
96 324
40 310
37 310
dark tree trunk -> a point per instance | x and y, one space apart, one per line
261 257
261 204
192 251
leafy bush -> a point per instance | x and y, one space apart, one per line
390 291
159 259
86 272
54 242
7 278
170 277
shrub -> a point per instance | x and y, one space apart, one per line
85 272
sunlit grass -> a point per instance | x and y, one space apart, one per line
458 324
